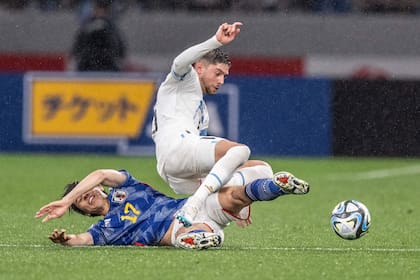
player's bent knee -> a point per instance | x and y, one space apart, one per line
241 152
224 147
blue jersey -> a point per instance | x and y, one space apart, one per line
137 214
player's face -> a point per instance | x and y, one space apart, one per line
212 77
93 202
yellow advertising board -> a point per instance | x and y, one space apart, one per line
89 107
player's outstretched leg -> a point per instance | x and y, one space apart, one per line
282 183
198 240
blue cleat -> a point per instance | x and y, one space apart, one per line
187 213
182 218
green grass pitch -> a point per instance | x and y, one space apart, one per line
290 238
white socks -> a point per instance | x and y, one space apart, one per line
246 175
222 171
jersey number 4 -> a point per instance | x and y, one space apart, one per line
130 209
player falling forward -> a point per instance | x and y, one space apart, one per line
185 155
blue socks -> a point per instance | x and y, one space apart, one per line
263 189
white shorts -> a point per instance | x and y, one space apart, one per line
214 216
183 161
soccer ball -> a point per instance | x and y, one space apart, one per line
350 219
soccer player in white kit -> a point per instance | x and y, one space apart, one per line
185 154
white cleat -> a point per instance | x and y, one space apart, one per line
198 240
290 184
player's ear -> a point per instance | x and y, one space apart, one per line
199 66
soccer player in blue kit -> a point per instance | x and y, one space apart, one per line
134 213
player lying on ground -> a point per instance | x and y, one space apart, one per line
136 214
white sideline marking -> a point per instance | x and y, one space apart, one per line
335 249
377 174
320 249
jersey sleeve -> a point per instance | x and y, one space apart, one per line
182 63
130 179
108 232
97 235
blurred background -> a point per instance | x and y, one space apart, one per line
309 77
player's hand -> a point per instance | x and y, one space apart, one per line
243 223
59 236
227 32
52 210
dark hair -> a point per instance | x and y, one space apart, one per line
68 188
217 56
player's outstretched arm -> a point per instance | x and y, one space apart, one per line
107 177
53 210
225 34
61 237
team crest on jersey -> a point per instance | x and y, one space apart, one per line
119 196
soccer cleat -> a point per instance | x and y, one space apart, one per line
198 240
186 215
289 183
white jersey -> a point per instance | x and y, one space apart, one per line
180 117
180 106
